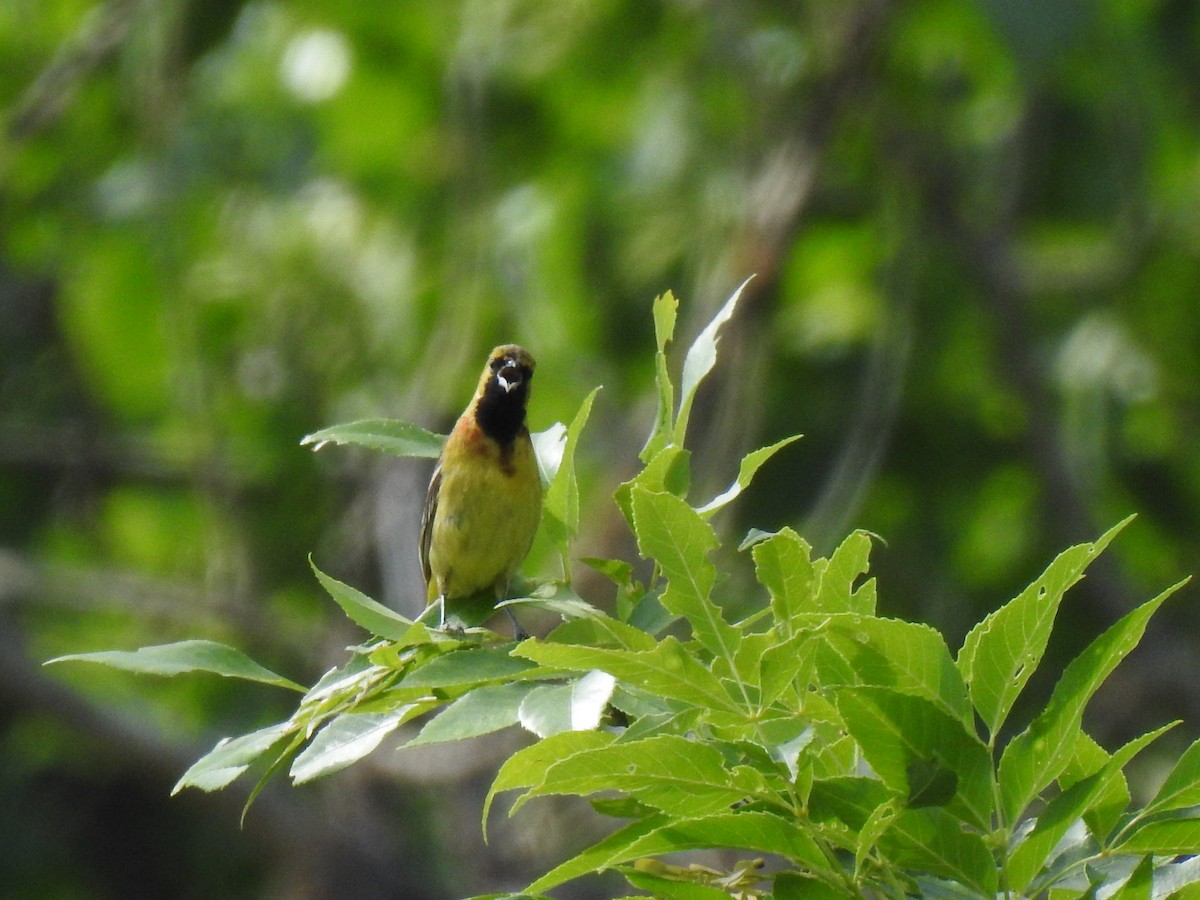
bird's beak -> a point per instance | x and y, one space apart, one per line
508 378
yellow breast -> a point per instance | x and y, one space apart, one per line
489 504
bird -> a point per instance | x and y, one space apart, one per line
485 496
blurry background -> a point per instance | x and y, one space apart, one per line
224 224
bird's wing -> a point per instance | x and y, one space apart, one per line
431 505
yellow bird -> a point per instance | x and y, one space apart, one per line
485 497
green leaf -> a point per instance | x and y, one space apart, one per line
901 734
933 841
348 738
1140 884
750 465
597 632
791 885
686 885
681 777
1163 838
1001 653
782 563
755 831
667 671
785 664
907 656
1106 808
362 610
472 665
664 312
876 826
836 578
231 757
1181 787
576 706
930 784
388 435
1179 880
700 359
548 448
848 799
1031 855
668 470
481 711
597 857
1037 755
528 766
181 657
679 540
617 571
561 504
563 603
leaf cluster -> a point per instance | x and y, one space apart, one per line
844 753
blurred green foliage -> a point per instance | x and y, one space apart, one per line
224 225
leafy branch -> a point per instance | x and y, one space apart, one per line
855 751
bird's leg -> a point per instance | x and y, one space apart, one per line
441 601
519 633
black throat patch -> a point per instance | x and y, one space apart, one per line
500 413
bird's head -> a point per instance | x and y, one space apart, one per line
503 392
510 368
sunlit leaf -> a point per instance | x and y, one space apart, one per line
348 738
664 312
362 610
231 757
758 832
1037 755
481 711
750 465
562 496
182 657
700 359
389 435
1001 653
673 534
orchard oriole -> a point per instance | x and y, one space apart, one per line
485 497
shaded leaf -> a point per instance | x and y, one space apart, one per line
907 656
901 734
1035 850
933 841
